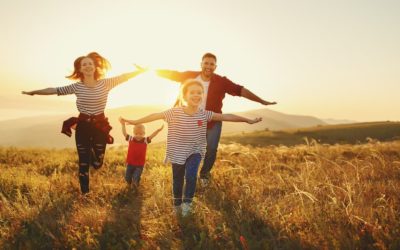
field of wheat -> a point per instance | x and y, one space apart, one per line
309 196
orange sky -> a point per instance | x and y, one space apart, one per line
330 59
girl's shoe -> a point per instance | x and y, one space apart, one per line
186 209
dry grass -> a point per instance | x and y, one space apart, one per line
309 196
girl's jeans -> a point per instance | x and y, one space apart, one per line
188 173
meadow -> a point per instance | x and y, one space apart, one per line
308 196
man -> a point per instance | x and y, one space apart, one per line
215 88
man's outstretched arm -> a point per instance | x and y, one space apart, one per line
251 96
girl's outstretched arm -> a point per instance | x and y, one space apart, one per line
47 91
234 118
146 119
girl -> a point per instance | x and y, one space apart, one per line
92 127
186 140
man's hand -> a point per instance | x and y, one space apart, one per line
267 103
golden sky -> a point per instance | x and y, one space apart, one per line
330 59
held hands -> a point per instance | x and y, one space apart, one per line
122 120
252 121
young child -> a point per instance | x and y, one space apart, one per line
136 156
186 140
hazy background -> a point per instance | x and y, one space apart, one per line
329 59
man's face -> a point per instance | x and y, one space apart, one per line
208 66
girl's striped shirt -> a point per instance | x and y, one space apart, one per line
92 100
186 134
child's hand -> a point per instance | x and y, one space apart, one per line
258 119
121 120
161 128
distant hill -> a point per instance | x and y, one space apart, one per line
44 131
338 121
330 134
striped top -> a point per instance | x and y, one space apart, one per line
186 134
92 100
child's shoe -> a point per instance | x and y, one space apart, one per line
178 209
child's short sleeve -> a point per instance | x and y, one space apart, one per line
169 114
209 115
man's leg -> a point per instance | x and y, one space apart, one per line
213 136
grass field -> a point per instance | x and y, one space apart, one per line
310 196
330 134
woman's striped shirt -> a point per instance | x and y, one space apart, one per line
186 134
92 100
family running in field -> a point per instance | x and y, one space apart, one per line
194 123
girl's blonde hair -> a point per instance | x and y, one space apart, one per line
184 88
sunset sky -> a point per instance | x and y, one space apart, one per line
330 59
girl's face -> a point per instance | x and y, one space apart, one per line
194 95
87 66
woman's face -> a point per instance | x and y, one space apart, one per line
194 95
87 67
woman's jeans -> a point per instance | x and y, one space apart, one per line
213 136
188 173
91 145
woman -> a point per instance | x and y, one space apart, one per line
92 127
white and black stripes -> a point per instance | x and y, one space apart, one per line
186 134
91 100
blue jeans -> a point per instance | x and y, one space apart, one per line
187 172
133 173
213 136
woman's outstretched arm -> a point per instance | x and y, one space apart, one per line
47 91
234 118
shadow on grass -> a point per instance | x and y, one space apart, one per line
46 230
192 234
255 232
122 229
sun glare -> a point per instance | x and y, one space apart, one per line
145 89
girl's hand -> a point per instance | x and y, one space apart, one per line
27 93
258 119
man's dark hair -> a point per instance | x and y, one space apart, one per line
209 55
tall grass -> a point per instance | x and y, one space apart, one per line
308 196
